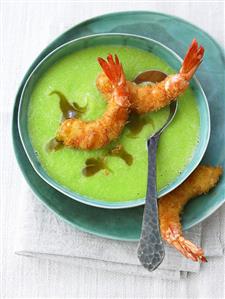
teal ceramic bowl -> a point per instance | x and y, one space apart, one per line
110 39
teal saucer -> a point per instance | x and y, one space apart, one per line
125 224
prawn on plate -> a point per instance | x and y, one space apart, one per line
95 134
171 205
154 97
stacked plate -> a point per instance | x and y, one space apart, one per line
124 222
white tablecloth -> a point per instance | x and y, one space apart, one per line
23 36
42 234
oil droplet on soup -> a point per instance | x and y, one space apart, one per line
94 165
69 110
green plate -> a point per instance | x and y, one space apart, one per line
125 224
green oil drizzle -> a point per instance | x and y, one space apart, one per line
136 123
119 151
69 110
54 145
94 165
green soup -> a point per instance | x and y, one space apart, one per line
75 76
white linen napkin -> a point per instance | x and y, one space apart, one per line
42 234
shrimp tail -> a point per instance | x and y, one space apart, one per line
185 247
192 60
113 69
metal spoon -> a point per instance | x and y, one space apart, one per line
150 249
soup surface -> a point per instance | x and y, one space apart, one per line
121 171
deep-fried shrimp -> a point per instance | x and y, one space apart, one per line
96 134
151 98
171 205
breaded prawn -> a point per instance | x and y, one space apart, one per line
95 134
151 98
171 205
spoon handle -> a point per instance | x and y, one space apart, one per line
150 249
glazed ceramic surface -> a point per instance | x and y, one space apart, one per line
175 33
112 39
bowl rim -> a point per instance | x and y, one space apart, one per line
86 199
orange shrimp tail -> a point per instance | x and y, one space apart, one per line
185 247
192 60
113 70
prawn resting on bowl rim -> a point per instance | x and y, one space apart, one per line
203 179
122 94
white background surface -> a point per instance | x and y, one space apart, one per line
26 28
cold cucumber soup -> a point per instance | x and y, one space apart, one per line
119 171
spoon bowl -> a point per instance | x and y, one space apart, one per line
153 77
150 249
